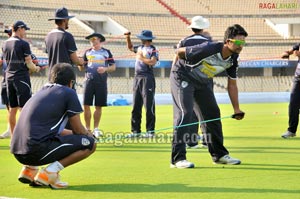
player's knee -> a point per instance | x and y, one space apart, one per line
87 152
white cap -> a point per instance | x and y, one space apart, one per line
199 22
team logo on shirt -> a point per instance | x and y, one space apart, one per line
184 84
96 59
85 142
208 69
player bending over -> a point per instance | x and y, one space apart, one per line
40 134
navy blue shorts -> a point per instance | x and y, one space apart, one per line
95 90
55 149
18 91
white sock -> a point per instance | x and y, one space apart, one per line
55 167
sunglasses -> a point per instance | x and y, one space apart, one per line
93 38
238 42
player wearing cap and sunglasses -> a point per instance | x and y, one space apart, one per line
98 63
190 82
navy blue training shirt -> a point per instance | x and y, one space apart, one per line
191 40
14 52
59 45
94 59
206 61
142 69
44 116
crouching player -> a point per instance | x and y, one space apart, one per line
40 136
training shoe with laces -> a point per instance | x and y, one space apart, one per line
133 135
288 134
226 159
182 164
97 133
148 135
27 174
50 178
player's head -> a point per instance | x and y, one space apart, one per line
199 23
63 74
19 28
8 32
95 39
234 38
63 23
146 36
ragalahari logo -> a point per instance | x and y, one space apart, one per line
277 6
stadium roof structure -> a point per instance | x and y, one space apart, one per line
287 27
97 23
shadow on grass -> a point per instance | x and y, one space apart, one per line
257 166
274 165
173 188
261 167
166 148
258 138
4 147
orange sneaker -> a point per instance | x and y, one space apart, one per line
27 175
50 178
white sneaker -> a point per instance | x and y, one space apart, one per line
97 133
5 135
183 164
193 147
288 134
133 135
226 159
148 135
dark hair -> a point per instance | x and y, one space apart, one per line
58 21
13 28
62 73
195 30
233 31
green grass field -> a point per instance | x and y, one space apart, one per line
270 166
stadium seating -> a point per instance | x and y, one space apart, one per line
229 7
117 6
262 43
